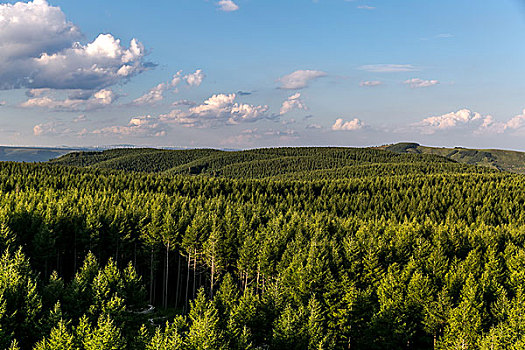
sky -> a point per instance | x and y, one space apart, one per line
238 74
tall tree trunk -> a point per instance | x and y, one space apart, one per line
151 277
187 282
212 279
178 284
167 274
135 254
194 270
258 273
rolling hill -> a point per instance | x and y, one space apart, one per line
300 163
512 161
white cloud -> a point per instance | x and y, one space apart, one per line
195 79
354 124
40 50
517 122
44 129
371 83
176 79
291 103
388 68
416 83
142 126
366 7
156 94
461 118
466 120
227 5
299 79
153 96
492 126
54 128
99 99
220 109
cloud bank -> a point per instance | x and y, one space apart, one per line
40 49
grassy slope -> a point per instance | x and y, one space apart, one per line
512 161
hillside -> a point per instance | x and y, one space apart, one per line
512 161
301 163
31 154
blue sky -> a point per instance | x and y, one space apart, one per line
251 73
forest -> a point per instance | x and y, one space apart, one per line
290 248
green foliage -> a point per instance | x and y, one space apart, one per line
268 249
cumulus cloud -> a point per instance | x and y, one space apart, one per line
354 124
99 99
195 79
141 126
461 118
40 49
371 83
299 79
55 128
416 83
467 120
156 94
492 126
388 68
153 96
220 109
291 103
227 5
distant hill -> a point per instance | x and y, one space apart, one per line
285 163
512 161
31 154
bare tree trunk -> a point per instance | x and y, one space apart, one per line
177 292
151 277
135 254
212 279
167 274
194 270
187 281
258 273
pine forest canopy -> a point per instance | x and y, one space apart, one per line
286 248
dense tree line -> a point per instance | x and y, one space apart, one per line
256 163
377 260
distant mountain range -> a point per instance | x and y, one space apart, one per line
32 154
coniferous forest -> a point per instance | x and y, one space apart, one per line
293 248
